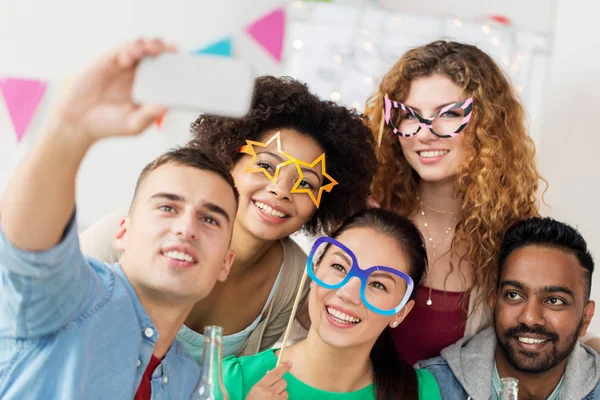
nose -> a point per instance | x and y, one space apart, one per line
186 225
532 314
284 184
425 135
350 292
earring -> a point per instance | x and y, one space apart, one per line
394 324
312 285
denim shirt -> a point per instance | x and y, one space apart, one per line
452 389
74 328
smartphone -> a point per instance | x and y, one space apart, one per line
195 82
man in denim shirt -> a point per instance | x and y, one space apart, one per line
541 308
75 328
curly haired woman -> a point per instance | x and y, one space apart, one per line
292 157
456 158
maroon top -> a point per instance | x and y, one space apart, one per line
144 391
428 329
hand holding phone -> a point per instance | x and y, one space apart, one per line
192 82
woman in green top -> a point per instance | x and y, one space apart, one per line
363 281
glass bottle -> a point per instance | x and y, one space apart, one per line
211 385
509 389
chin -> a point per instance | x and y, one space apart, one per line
179 289
264 231
337 341
436 176
267 234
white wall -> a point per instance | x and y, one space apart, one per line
530 15
568 153
51 40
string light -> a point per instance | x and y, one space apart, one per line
350 58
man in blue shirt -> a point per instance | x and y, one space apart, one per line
75 328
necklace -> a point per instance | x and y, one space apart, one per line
430 238
439 211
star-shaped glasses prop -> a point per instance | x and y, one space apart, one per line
249 148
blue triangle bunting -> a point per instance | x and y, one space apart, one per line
220 48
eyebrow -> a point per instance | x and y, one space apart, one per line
178 198
558 289
383 274
279 158
308 170
438 107
344 256
516 284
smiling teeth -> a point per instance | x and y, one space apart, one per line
436 153
341 316
177 255
531 340
268 210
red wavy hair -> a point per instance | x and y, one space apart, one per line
497 182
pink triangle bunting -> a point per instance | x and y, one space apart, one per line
22 98
269 31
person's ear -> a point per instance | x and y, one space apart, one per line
588 314
226 266
493 300
119 240
398 318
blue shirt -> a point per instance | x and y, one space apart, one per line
74 328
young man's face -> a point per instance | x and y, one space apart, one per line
176 238
541 308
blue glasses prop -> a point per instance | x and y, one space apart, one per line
331 265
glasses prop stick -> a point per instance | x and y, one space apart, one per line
292 315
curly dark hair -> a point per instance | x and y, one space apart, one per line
285 103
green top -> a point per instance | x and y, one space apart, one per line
241 374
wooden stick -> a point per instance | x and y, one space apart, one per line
293 315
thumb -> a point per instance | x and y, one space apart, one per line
142 117
276 373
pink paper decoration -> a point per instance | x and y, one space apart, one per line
22 98
269 32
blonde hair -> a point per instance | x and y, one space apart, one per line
497 182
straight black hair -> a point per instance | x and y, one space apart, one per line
393 378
